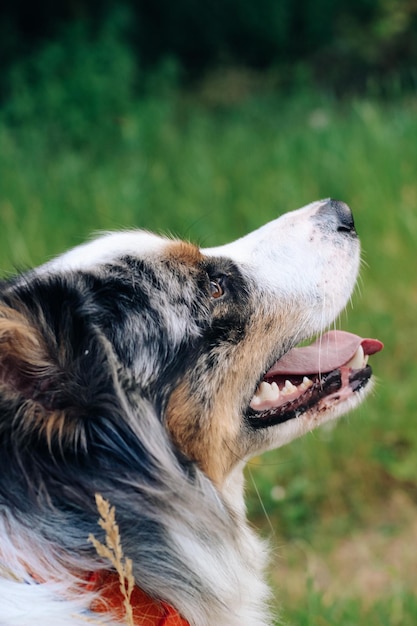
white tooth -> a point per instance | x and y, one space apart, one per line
275 389
358 359
288 388
256 401
306 384
265 393
263 390
269 392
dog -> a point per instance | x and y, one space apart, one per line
145 371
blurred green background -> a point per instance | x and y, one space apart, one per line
206 120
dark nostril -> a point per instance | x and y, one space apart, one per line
334 215
345 222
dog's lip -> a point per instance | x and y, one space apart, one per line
329 352
335 386
304 375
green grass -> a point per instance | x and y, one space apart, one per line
314 611
79 153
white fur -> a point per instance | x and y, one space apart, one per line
31 604
104 249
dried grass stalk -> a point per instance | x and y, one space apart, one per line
113 552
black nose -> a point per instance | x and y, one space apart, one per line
339 215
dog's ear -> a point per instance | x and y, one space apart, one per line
25 367
54 389
38 382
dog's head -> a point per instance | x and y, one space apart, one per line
200 335
134 360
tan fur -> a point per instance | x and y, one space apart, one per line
211 435
183 252
202 436
21 351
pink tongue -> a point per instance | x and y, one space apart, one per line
328 353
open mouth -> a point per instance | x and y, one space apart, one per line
332 368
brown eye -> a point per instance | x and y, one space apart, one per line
216 289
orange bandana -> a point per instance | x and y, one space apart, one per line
146 610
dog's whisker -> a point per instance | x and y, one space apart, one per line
259 497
